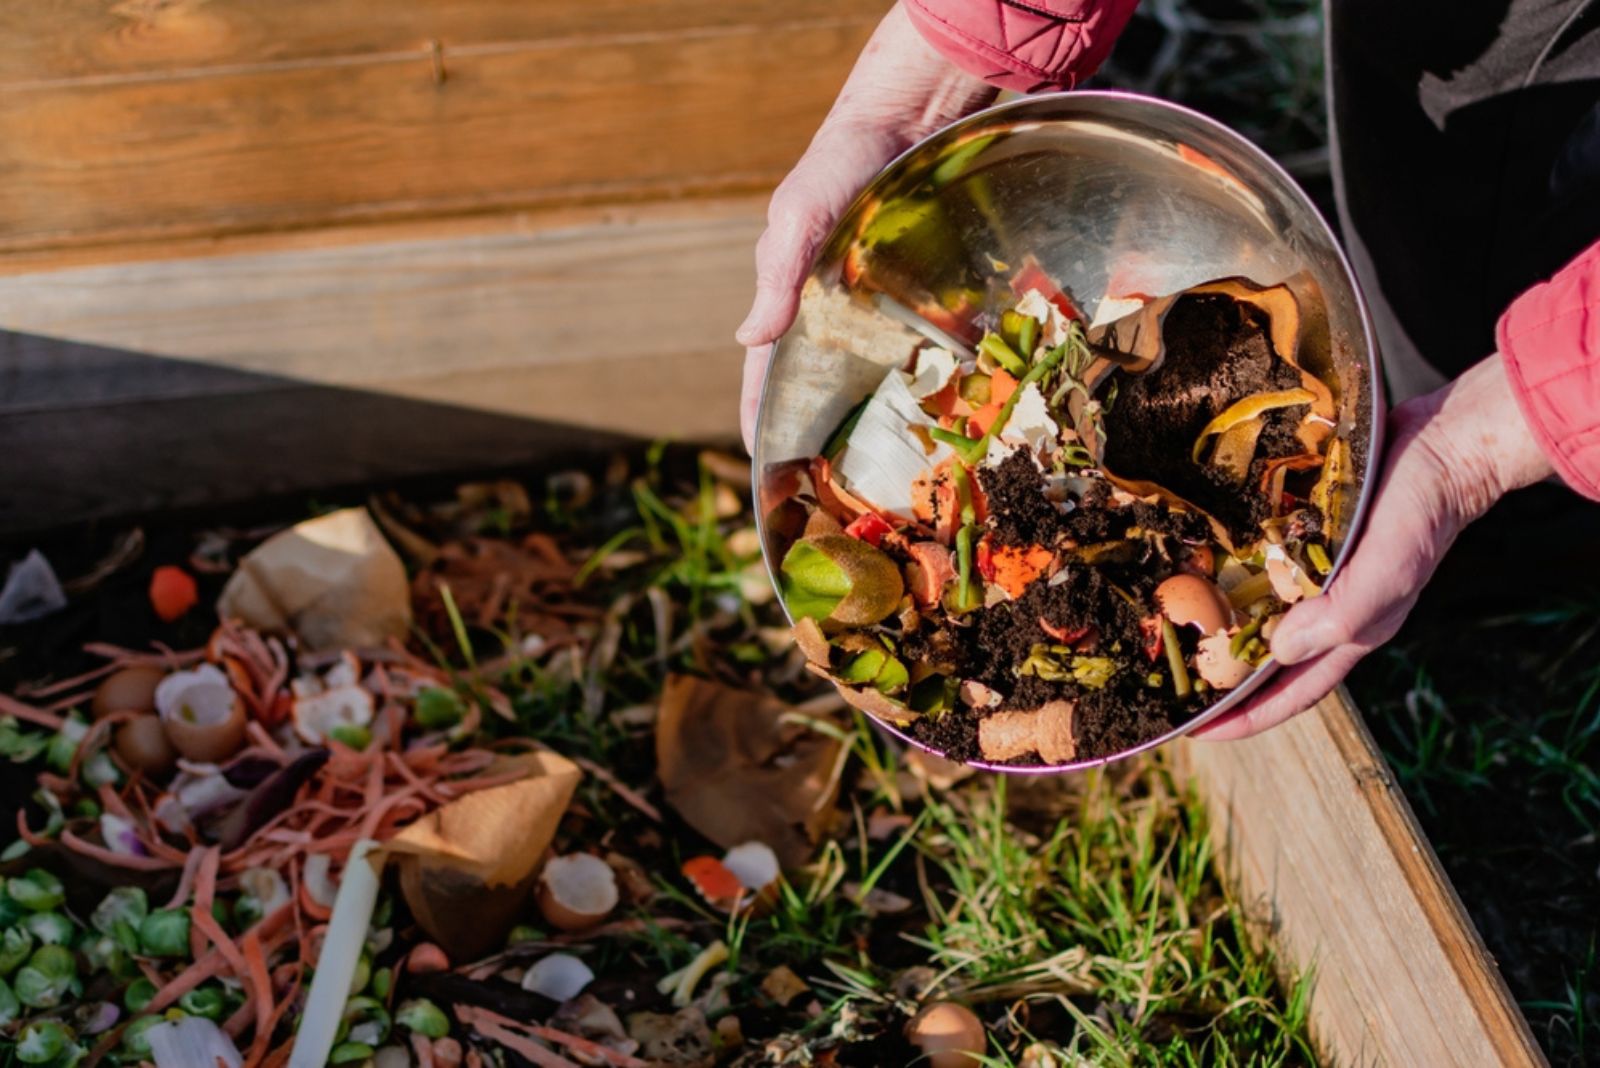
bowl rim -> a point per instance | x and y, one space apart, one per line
1376 400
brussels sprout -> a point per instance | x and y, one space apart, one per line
16 849
352 735
37 891
18 745
203 1001
367 1021
16 946
140 993
43 1041
51 928
10 1007
120 914
382 983
165 933
439 709
46 978
350 1053
63 745
102 953
424 1017
99 771
135 1040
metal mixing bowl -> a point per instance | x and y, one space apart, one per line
1114 194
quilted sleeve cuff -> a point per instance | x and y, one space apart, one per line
1550 342
1026 45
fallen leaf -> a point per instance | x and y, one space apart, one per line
737 772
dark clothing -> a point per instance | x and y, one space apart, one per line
1467 162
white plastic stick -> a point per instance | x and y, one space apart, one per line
341 952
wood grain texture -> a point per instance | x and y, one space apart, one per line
137 387
1314 834
663 102
101 39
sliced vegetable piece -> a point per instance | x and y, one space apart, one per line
994 346
1236 447
1015 566
1251 407
813 583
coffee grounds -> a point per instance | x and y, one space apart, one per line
1019 511
1021 514
1217 353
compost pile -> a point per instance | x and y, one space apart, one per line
551 785
1063 541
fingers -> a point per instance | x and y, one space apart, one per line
1411 524
1291 692
799 218
755 375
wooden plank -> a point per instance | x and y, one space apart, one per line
100 40
1314 834
376 135
138 387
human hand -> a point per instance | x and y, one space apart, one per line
900 91
1452 454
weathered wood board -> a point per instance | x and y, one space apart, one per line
1315 836
137 121
141 387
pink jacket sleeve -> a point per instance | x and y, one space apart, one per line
1550 342
1026 45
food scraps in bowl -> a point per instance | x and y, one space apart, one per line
1067 541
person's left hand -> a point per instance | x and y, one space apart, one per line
1452 454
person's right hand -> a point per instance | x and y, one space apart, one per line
900 91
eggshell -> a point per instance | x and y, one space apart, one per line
203 717
949 1035
1189 599
132 689
1217 666
143 745
577 891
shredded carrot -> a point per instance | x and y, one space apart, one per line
489 1025
110 858
10 706
423 1049
205 894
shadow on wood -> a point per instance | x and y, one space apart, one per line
89 432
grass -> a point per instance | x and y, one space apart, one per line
1081 916
1502 761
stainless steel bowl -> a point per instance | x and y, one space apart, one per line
1113 194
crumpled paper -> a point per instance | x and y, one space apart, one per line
332 581
31 590
466 869
737 771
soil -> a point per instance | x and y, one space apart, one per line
989 644
1217 353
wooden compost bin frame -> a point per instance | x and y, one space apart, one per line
366 240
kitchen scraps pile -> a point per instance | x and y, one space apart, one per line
1062 541
540 779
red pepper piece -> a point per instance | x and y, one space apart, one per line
1150 627
869 527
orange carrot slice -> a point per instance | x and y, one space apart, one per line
172 593
1015 566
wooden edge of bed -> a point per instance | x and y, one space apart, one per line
1316 838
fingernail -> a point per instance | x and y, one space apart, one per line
746 334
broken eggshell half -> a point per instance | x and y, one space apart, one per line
577 891
203 717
